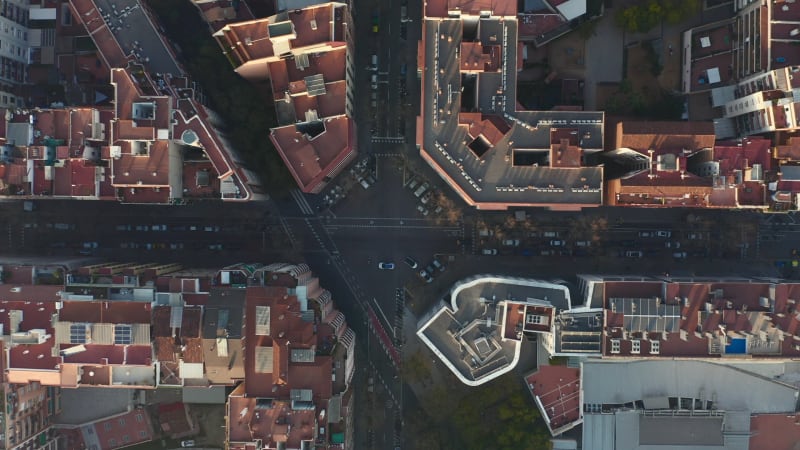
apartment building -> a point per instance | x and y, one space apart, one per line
474 133
308 57
27 415
680 164
269 331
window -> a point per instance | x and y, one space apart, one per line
107 426
77 333
139 418
90 430
121 421
126 439
615 346
636 346
142 434
122 334
655 347
112 442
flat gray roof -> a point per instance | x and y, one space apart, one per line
494 178
88 404
729 388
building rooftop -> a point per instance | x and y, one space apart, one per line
479 335
314 134
557 392
472 132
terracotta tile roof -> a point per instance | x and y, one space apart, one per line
558 391
642 135
105 312
774 431
476 57
310 159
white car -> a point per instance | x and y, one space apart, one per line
187 443
490 251
663 234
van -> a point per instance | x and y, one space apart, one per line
421 190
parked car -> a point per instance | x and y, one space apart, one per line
695 235
187 443
176 246
423 210
634 254
550 234
672 244
511 242
557 243
159 228
90 245
141 228
490 251
411 262
386 265
211 228
663 234
645 234
215 247
436 263
123 228
583 243
679 255
425 276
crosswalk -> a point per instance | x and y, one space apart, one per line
301 201
389 140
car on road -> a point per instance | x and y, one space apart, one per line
438 264
386 265
634 254
411 262
187 443
490 251
425 276
679 255
558 243
663 234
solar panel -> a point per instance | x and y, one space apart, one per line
315 85
77 333
122 334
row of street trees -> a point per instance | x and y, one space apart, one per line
644 16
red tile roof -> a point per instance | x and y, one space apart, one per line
557 393
643 135
35 315
441 8
774 431
105 312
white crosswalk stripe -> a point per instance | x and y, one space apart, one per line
301 201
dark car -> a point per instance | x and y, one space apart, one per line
411 262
